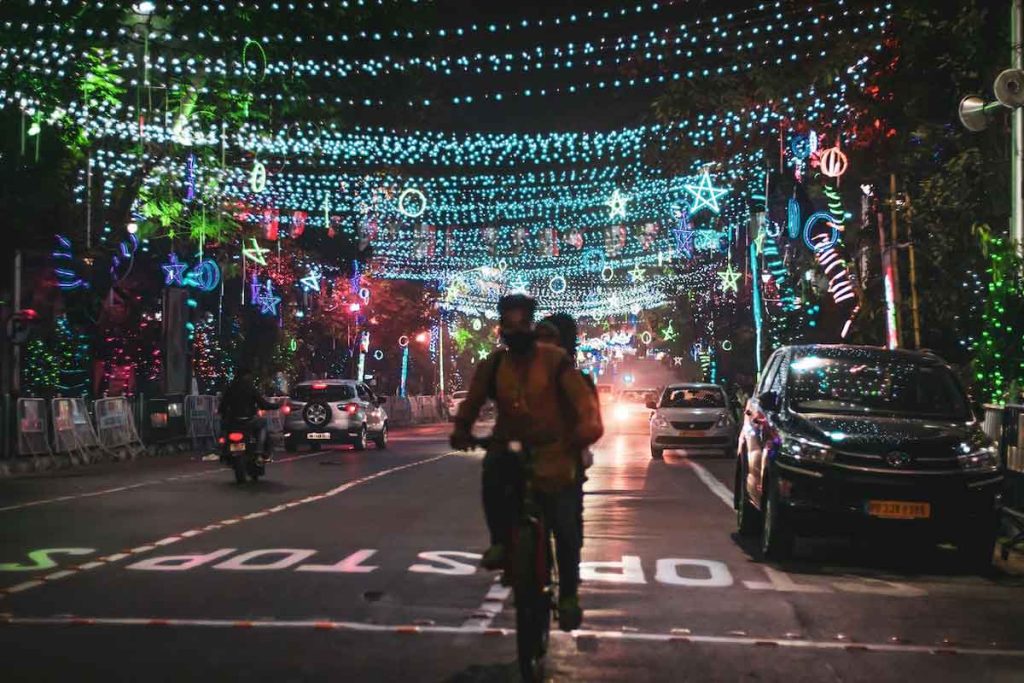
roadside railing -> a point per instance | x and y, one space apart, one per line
1005 425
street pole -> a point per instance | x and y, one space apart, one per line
440 353
1017 155
888 280
914 309
16 348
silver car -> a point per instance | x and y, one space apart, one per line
335 411
692 417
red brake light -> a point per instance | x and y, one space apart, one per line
286 409
235 437
320 385
220 440
352 408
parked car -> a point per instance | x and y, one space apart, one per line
693 417
335 411
844 438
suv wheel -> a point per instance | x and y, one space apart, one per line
776 536
317 414
382 439
360 442
748 519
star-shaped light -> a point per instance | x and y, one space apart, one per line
269 301
730 278
668 333
617 204
256 253
705 194
759 241
174 272
483 354
677 360
519 285
311 283
684 241
637 274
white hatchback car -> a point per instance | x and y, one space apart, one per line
692 417
335 411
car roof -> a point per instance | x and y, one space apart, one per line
693 385
872 352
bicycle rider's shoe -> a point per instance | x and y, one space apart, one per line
570 615
494 557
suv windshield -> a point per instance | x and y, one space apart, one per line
320 392
874 385
682 397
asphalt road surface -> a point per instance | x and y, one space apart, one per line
348 566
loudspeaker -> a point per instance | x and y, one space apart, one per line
973 113
1009 88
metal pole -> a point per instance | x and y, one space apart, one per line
914 309
16 348
894 264
1017 159
440 352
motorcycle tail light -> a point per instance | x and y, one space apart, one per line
236 437
220 440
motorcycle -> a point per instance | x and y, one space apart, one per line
241 453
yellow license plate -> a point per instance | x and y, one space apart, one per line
897 509
237 447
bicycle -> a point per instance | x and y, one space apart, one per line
531 571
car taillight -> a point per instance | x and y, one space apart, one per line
352 408
286 409
235 437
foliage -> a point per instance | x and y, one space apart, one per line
999 355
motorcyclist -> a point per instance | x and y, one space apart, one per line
543 404
240 406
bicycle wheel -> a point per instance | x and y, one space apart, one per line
533 603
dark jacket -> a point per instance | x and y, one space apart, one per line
241 400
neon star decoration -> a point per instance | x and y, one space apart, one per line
668 333
637 274
705 195
174 271
617 204
311 283
256 253
518 286
759 241
730 278
268 300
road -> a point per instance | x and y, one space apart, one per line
361 566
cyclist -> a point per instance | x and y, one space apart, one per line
240 405
543 404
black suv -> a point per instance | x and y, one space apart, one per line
839 438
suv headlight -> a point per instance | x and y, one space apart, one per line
659 422
803 450
984 459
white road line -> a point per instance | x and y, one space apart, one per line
620 635
129 487
493 604
134 552
717 487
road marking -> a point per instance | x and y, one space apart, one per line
227 522
493 604
620 635
717 487
129 487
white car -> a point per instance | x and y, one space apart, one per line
335 411
692 417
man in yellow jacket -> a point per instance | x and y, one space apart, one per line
545 405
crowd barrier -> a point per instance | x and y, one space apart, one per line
73 432
32 427
410 410
202 420
1005 425
115 427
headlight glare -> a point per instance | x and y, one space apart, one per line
659 422
802 450
982 460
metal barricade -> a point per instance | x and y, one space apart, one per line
72 430
200 414
115 427
32 428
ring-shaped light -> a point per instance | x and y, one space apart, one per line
813 221
557 284
403 341
403 200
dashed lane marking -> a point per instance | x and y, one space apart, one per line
493 604
621 635
130 487
192 533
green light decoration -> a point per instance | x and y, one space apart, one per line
705 195
256 253
668 333
730 278
998 353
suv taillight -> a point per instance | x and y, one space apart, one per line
350 408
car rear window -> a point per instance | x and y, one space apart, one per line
682 397
331 392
